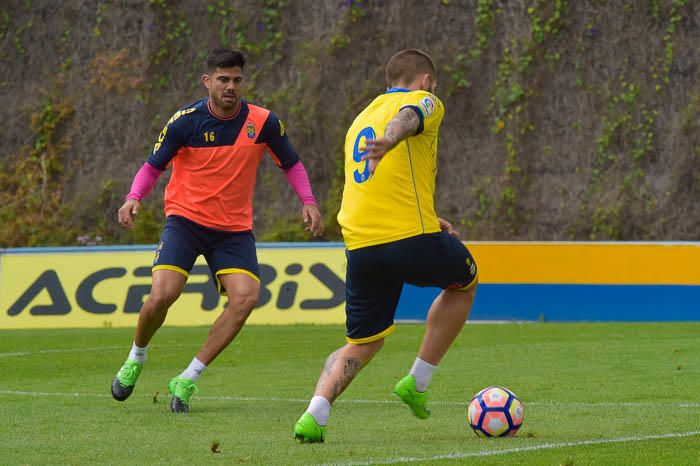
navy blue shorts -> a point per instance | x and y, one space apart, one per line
376 275
226 252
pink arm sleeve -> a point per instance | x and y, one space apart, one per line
299 180
144 181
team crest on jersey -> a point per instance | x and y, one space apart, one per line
428 106
282 128
250 129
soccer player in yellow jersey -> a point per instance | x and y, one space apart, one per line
393 236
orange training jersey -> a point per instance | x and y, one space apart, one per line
397 200
215 161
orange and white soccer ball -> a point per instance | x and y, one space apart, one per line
495 412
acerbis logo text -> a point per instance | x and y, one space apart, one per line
319 277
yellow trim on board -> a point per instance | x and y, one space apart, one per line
55 280
588 263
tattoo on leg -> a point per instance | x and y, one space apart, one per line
351 367
350 370
335 377
328 366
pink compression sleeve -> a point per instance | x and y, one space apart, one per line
299 180
144 181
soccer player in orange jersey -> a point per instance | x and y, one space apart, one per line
214 146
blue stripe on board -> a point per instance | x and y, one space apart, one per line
563 303
308 244
151 247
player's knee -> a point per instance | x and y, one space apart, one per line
161 299
245 301
239 309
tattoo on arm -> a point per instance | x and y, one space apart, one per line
403 125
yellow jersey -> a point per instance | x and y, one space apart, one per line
397 200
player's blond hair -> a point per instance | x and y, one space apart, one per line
405 66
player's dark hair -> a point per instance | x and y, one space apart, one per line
223 58
406 65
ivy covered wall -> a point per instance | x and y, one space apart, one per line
565 120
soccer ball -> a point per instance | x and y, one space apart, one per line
495 412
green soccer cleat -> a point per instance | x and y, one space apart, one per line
125 380
307 430
406 390
181 390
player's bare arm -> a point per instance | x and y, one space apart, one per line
312 219
447 226
127 212
403 125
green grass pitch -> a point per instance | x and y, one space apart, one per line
594 394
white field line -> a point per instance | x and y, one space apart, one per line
360 401
450 456
124 348
63 350
507 451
